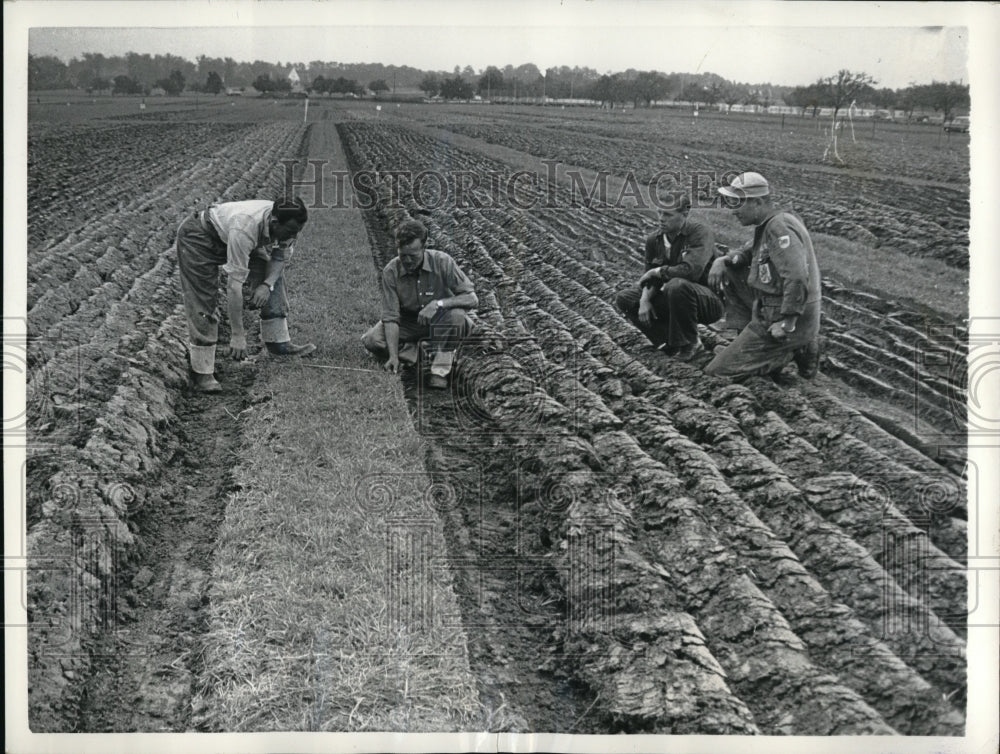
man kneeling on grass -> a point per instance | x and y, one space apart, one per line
250 241
425 296
672 296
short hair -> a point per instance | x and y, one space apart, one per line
410 231
284 210
675 201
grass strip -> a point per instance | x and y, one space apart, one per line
327 612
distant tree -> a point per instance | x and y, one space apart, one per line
602 90
456 88
378 86
649 86
173 84
430 84
126 85
692 92
731 94
99 85
908 100
611 89
214 83
263 84
844 88
814 96
92 66
469 73
944 97
885 98
714 92
491 82
319 85
841 91
47 72
343 85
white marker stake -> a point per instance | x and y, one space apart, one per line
305 115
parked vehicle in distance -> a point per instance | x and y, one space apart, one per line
959 123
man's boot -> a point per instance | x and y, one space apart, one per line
274 333
287 348
440 368
688 352
807 359
203 366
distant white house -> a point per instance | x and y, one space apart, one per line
295 80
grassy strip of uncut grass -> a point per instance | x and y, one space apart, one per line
303 634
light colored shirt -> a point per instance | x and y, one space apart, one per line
405 295
243 227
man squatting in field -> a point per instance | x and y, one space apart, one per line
424 295
771 288
673 296
250 241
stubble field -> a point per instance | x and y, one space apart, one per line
629 545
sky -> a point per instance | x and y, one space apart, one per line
754 42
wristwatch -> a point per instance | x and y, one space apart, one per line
270 286
440 304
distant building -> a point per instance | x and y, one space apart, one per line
295 80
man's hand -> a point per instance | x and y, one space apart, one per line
778 332
717 274
427 314
646 313
651 277
392 365
260 295
238 347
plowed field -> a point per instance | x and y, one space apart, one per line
723 558
650 548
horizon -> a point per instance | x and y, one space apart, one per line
754 42
304 66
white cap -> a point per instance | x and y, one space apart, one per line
745 186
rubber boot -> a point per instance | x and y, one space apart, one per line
203 367
274 333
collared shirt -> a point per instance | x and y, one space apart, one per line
404 295
243 227
687 255
783 263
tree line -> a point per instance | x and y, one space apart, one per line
136 73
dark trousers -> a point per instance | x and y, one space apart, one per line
200 254
680 306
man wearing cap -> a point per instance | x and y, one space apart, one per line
425 297
673 296
250 241
771 288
